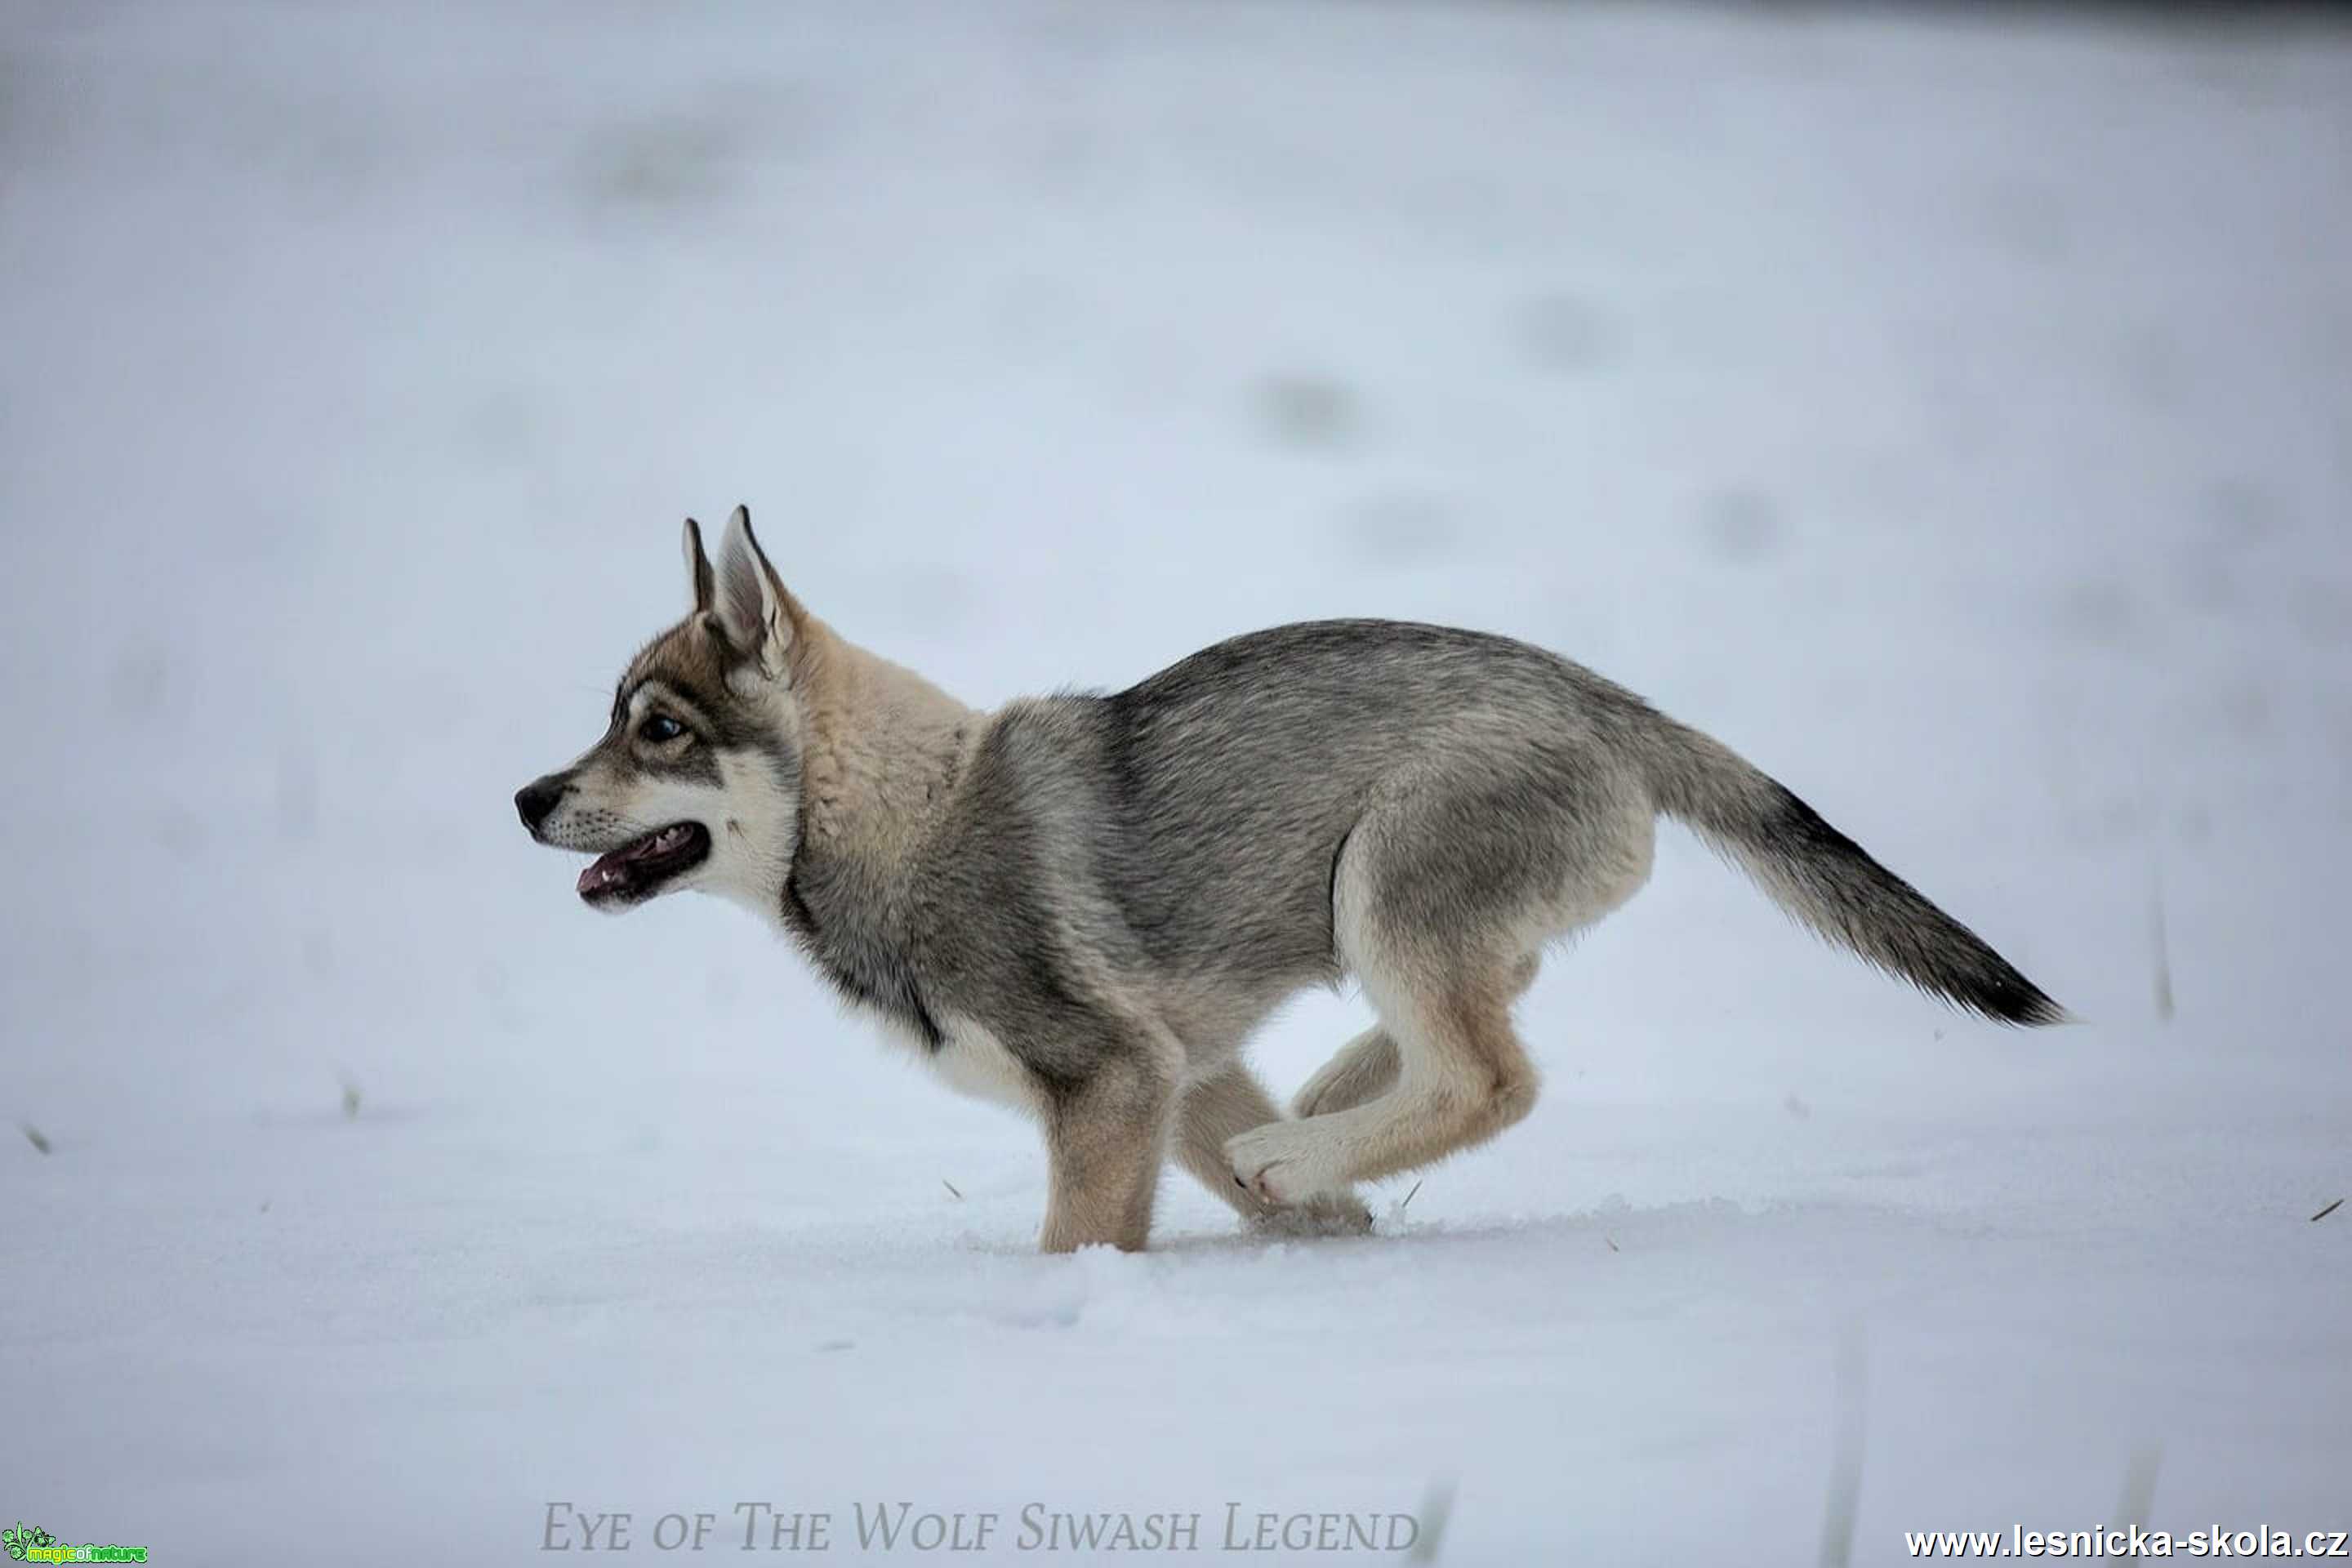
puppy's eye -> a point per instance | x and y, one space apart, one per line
658 728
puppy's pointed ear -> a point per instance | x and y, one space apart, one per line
698 568
758 616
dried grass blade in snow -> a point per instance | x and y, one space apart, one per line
1845 1465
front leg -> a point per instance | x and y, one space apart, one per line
1104 1137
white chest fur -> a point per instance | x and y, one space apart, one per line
973 1062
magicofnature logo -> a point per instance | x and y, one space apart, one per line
31 1544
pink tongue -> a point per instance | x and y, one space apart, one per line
607 870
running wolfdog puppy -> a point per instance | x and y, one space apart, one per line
1083 905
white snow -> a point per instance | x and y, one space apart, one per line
1951 415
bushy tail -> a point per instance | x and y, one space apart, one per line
1827 882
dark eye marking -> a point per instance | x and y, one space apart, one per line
659 728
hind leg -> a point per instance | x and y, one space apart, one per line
1442 897
1365 1067
1225 1105
1463 1076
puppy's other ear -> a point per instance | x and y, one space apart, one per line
698 568
758 616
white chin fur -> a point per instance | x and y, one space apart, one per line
753 840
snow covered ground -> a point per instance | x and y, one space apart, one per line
1956 418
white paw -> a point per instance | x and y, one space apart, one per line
1278 1166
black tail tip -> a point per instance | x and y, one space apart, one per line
2013 999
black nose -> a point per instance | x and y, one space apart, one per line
535 799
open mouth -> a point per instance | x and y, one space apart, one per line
637 870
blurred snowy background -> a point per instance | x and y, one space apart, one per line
1955 414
